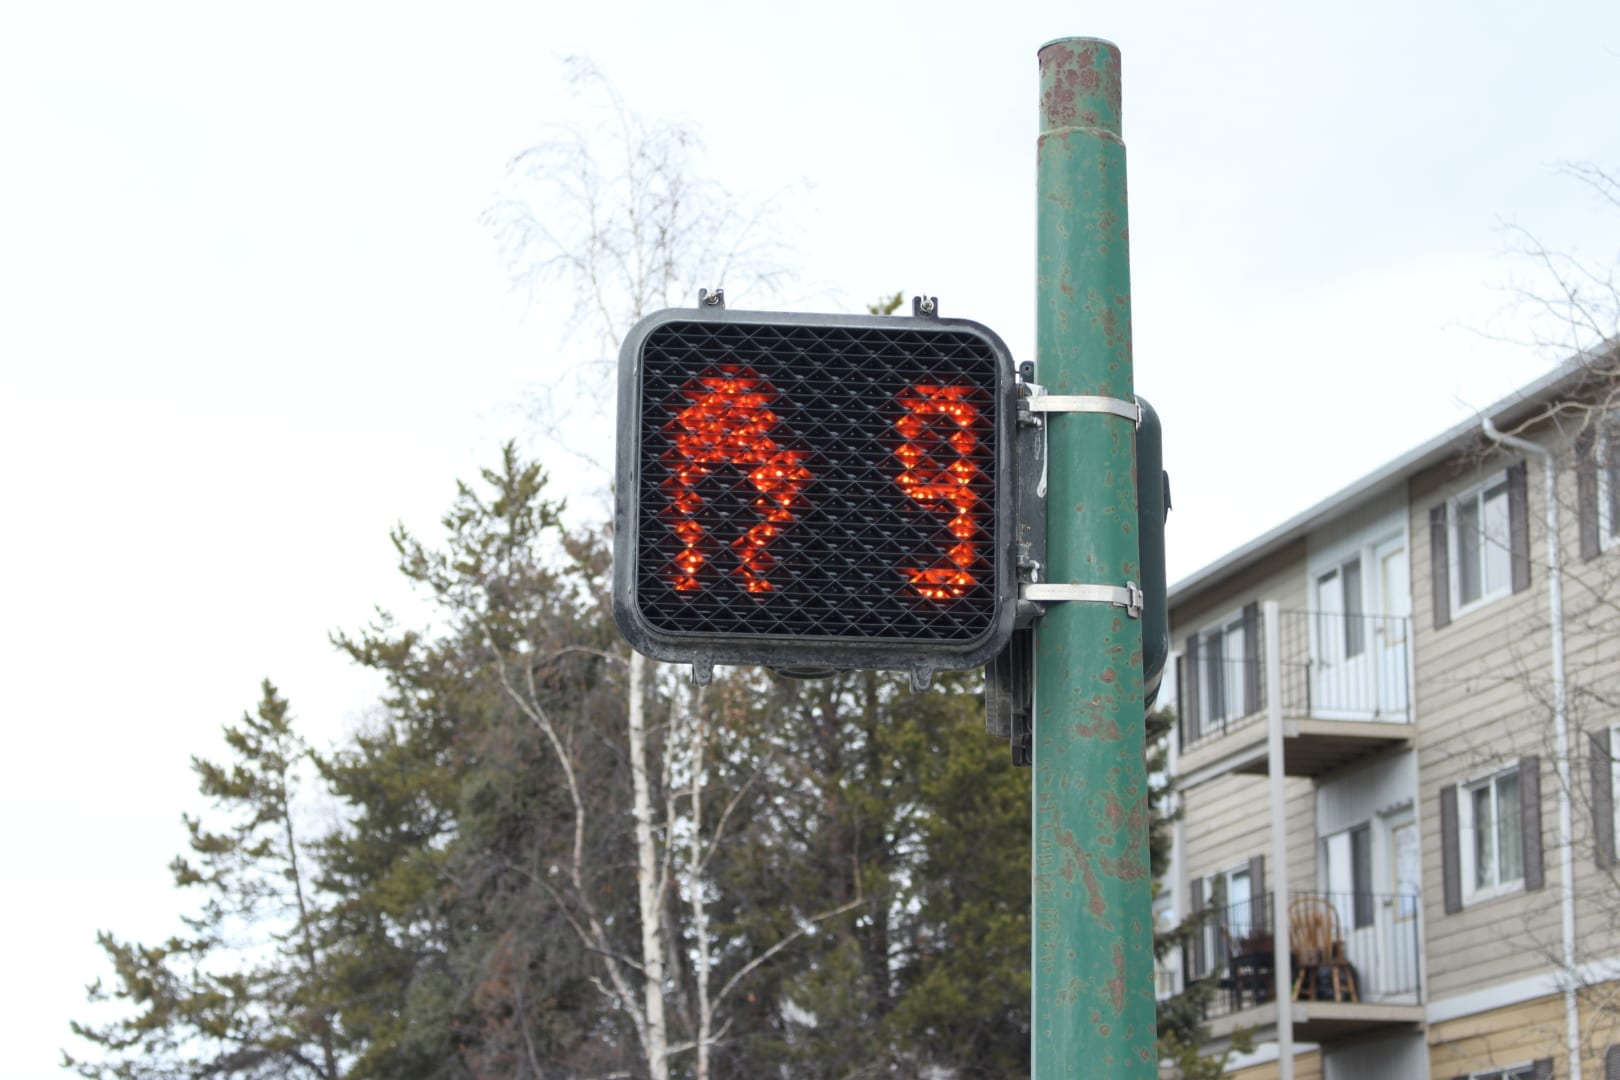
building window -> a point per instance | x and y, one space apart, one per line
1597 487
1480 541
1166 968
1530 1070
1490 834
1493 835
1219 679
1348 859
1239 901
1232 906
1340 631
1239 894
1222 652
1482 567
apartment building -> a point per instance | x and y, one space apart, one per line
1395 720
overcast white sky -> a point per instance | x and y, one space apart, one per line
249 320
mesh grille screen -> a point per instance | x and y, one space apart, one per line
817 481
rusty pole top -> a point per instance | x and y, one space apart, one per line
1080 86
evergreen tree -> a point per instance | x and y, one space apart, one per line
244 992
458 945
896 802
843 864
965 981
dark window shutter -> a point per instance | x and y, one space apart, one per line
1611 1063
1439 567
1542 1069
1259 902
1519 525
1251 659
1602 763
1189 691
1450 851
1586 493
1181 700
1530 821
1196 966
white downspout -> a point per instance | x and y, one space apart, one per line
1279 842
1566 847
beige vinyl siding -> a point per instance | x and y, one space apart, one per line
1597 891
1227 822
1281 578
1306 1067
1299 804
1482 702
1487 943
1501 1037
1600 1027
1592 665
1477 714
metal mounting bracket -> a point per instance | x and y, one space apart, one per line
925 307
716 299
1009 695
1086 403
1129 597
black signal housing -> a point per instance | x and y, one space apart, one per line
815 492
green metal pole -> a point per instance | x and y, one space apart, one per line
1093 1007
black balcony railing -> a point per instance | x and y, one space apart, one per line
1234 951
1343 947
1334 665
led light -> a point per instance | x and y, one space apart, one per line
728 423
941 432
815 492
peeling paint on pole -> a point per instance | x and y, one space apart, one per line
1092 944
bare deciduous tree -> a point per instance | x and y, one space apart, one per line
1566 306
617 220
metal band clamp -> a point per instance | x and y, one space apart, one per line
1129 597
1085 403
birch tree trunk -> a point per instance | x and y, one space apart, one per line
694 887
647 884
625 223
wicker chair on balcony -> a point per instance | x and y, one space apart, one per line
1316 938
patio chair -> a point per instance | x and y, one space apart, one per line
1316 938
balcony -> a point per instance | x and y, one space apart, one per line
1342 681
1353 965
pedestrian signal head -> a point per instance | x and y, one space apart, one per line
814 492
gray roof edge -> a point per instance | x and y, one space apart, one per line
1380 480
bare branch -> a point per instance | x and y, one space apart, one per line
789 939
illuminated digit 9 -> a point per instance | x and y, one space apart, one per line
938 440
728 422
